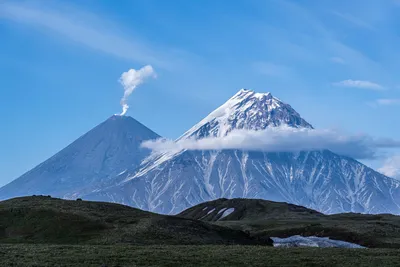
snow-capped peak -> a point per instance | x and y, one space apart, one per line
246 93
247 109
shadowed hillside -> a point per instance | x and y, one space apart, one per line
42 219
262 218
247 209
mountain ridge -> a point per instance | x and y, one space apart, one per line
320 180
275 219
170 182
41 219
95 157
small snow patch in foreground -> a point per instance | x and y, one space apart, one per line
207 213
312 241
227 212
210 211
222 210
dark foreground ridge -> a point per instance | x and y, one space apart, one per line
28 255
44 231
47 220
247 209
262 218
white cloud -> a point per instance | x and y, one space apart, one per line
388 101
132 79
360 84
282 139
338 60
84 28
391 167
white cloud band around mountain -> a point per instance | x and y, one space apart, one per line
281 139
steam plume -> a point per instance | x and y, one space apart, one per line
132 79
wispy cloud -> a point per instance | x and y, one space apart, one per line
84 28
282 139
360 84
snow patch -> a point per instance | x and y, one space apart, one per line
222 210
210 211
226 213
312 241
124 170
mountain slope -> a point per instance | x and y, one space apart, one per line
242 209
263 218
104 152
320 180
55 221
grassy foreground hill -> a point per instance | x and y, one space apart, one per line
43 231
29 255
48 220
262 218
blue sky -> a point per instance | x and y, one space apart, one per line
335 61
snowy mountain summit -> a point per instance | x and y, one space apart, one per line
247 110
320 180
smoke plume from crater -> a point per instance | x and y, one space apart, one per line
130 80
